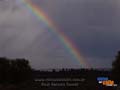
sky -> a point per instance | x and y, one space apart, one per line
93 26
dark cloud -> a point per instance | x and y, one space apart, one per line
23 36
93 25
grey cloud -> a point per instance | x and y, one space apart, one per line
92 24
23 36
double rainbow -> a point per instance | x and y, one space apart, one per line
42 16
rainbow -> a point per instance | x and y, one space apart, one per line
41 15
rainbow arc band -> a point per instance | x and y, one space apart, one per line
42 16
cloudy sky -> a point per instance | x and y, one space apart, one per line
93 25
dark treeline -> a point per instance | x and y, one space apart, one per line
89 75
19 73
19 70
69 73
14 70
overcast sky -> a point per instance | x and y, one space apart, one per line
93 25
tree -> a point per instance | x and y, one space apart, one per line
4 69
21 70
14 70
116 68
